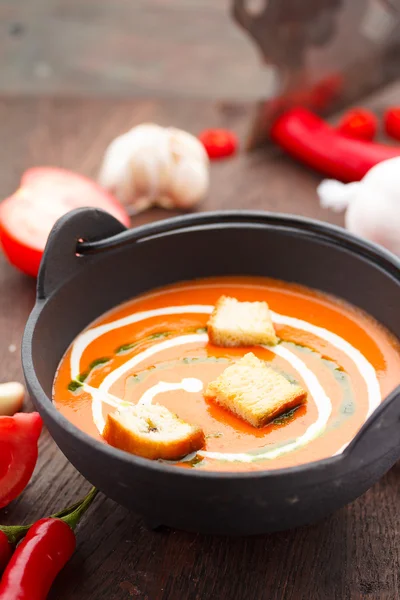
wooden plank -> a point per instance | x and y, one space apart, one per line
353 555
144 47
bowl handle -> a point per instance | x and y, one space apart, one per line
60 259
380 435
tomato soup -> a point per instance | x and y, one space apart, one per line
156 347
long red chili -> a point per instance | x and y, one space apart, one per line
311 140
5 551
46 548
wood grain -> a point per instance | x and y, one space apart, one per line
191 48
353 555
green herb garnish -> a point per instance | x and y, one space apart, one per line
74 385
82 376
188 360
125 347
98 362
285 417
77 383
201 330
130 346
195 460
155 336
159 334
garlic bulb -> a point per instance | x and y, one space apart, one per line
11 397
372 204
156 165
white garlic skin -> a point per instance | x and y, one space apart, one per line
156 165
373 204
11 398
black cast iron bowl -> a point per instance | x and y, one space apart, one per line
79 281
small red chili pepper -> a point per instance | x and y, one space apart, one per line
47 547
219 143
5 551
308 138
18 453
45 550
359 123
391 122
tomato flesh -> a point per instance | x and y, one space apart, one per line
391 121
45 195
18 453
359 123
219 143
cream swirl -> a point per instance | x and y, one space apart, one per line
323 403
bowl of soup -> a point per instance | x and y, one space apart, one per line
122 326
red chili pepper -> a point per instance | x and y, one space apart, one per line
312 141
18 453
47 547
5 551
359 123
391 122
219 143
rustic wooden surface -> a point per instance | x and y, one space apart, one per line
352 555
191 48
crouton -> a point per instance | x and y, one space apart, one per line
254 391
152 432
234 323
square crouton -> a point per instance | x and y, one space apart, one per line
234 323
152 432
254 391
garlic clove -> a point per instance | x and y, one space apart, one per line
11 398
375 215
150 164
155 165
185 145
189 182
373 204
166 202
115 173
385 175
336 195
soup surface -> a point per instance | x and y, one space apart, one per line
156 348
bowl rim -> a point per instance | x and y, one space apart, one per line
335 234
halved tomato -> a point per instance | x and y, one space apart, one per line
18 453
45 195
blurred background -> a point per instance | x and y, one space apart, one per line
191 48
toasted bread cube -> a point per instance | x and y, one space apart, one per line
234 323
152 432
254 391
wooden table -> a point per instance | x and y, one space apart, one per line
352 555
190 48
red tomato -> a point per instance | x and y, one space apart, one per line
359 123
219 143
45 195
18 453
391 121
